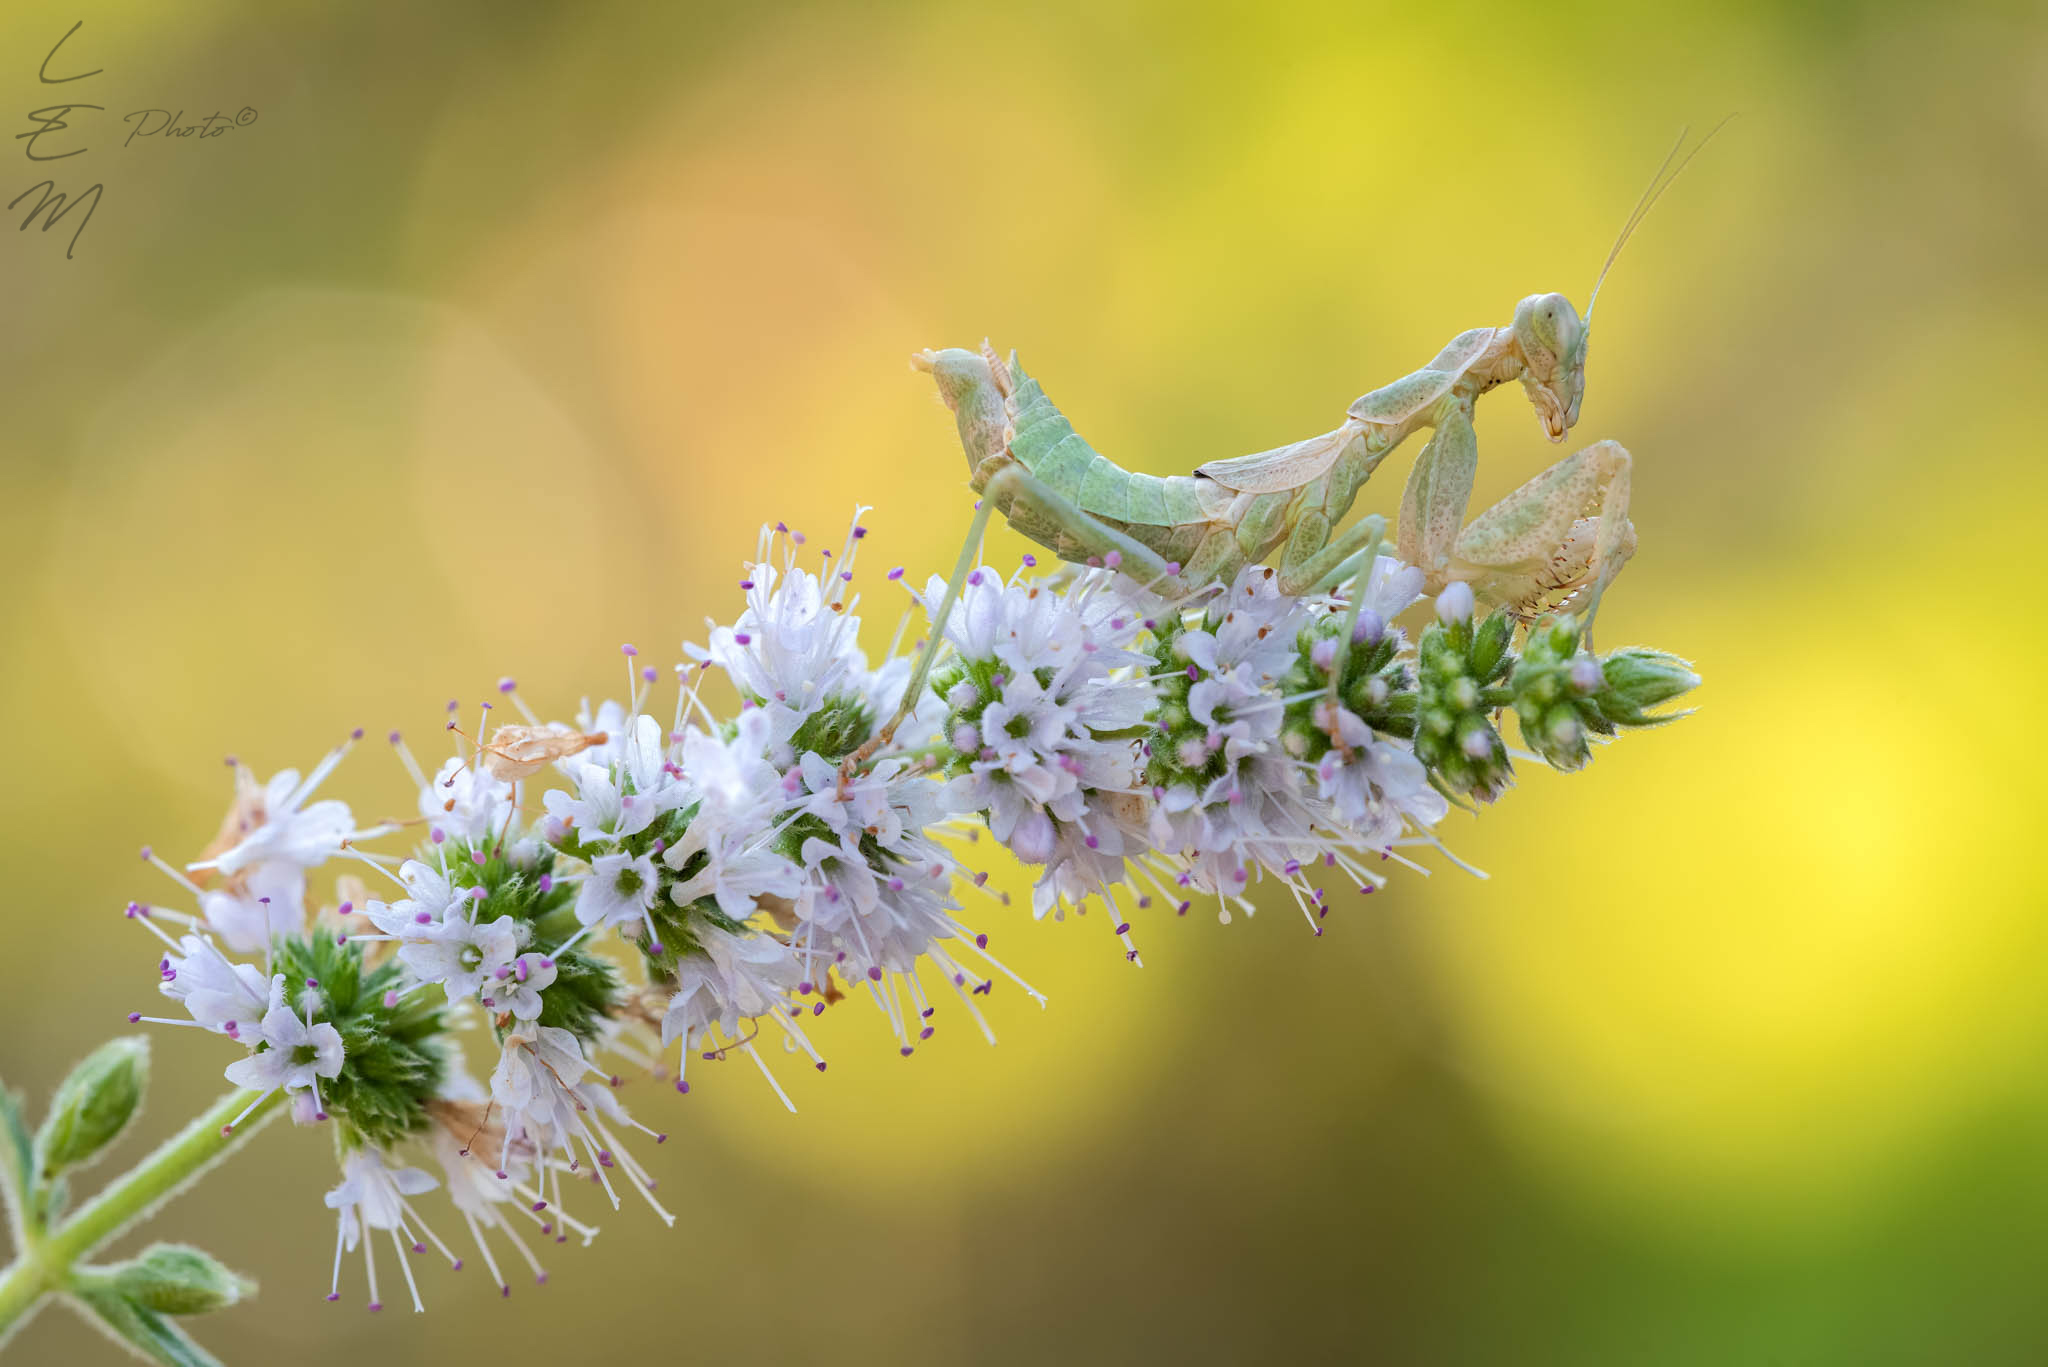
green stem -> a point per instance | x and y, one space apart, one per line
44 1266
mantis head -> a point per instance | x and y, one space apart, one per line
1550 334
1552 340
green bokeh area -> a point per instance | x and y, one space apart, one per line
490 341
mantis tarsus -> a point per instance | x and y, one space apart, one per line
1564 534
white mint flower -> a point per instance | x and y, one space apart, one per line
430 896
372 1196
721 853
789 651
219 993
619 891
289 1052
627 797
517 986
1375 785
274 822
539 1086
458 954
466 803
258 905
735 978
1390 588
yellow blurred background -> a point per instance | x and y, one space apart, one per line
492 341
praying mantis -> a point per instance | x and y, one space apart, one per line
1564 535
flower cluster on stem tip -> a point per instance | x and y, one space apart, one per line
581 901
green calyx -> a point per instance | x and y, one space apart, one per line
390 1067
1563 696
1180 757
1460 670
840 725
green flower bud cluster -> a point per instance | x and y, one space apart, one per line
968 687
1460 671
1561 695
391 1065
1377 685
841 725
1179 755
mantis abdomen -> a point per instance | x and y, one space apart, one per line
1171 515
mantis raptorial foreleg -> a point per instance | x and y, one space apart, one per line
1334 562
1439 487
1565 529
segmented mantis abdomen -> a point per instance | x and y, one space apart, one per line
1047 445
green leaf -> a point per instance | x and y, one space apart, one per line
177 1279
141 1330
93 1105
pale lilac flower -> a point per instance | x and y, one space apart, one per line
279 824
372 1196
265 901
288 1052
219 993
619 890
517 986
466 803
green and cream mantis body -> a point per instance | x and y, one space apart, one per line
1563 535
1565 529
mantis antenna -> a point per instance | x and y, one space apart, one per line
1659 183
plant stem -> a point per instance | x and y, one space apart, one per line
44 1266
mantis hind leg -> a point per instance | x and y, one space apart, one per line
1566 532
1049 517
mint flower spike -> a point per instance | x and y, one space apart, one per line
658 886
